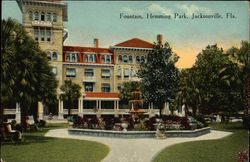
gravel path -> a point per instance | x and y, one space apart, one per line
135 150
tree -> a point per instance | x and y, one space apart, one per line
26 75
217 81
188 93
242 57
70 93
159 75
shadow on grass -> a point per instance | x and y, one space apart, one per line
30 137
28 140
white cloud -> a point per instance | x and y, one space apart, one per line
190 9
158 8
131 11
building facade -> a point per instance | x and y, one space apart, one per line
99 71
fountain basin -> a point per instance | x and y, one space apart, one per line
138 134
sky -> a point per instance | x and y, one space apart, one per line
187 37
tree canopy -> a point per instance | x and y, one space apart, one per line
159 75
70 93
26 75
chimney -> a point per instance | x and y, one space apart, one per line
96 43
160 39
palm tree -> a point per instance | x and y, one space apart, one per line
70 93
25 76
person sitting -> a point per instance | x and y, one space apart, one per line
32 127
17 135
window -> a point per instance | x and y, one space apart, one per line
142 59
106 59
89 72
30 15
42 16
36 34
49 16
72 57
48 55
54 56
106 73
105 87
119 74
126 73
70 72
89 87
120 58
48 35
43 35
37 16
90 57
119 86
125 58
130 59
54 17
54 70
138 59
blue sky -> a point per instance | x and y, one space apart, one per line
92 19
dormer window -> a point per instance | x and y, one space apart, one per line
37 16
90 57
72 57
42 16
106 58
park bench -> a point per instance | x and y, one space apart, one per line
6 135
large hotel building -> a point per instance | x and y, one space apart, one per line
99 71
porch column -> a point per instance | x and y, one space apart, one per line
132 106
18 112
40 110
117 104
79 105
60 109
100 104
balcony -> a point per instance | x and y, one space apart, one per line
41 23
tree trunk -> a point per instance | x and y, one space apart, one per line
35 112
160 108
1 114
69 108
186 110
24 114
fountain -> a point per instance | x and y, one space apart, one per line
136 104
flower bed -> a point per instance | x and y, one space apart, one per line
170 122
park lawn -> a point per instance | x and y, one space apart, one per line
222 150
37 148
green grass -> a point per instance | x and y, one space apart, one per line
37 148
222 150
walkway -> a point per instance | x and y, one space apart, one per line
135 150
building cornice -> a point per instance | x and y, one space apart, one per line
131 48
89 64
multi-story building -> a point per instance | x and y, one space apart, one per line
99 71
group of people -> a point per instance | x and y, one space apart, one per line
14 130
7 129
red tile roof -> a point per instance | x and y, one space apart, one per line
86 49
136 42
102 95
